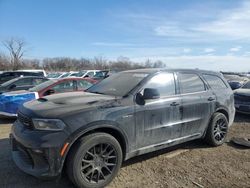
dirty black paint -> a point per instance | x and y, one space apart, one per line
159 123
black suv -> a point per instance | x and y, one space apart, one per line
125 115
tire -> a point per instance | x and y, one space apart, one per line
94 161
217 130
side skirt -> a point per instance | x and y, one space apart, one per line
162 145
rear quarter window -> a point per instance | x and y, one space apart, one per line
215 82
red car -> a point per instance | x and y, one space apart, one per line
63 85
10 101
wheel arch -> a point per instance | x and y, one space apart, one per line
108 127
218 110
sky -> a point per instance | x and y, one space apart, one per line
205 34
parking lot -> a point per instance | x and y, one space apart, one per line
188 165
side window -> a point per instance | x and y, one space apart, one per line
163 82
190 83
23 82
214 82
37 81
90 74
83 84
65 86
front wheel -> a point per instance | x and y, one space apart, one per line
217 130
94 161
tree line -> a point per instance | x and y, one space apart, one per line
17 49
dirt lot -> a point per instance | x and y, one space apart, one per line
188 165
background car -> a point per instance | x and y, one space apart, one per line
235 85
85 73
242 99
9 75
21 83
10 101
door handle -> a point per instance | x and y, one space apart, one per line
174 104
211 99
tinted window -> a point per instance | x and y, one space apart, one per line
23 82
190 83
83 84
163 82
214 82
37 81
64 87
247 85
90 74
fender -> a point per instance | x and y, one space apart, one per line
91 127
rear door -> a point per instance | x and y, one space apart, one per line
159 119
196 104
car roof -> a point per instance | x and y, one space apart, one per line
155 70
73 78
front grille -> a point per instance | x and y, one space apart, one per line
242 98
25 120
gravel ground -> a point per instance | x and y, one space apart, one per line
193 164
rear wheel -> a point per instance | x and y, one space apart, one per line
94 161
217 130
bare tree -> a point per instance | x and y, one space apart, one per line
16 48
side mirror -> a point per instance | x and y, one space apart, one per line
50 91
12 86
150 93
139 99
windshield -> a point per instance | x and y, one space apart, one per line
9 82
65 75
79 74
100 74
54 75
42 85
247 85
118 84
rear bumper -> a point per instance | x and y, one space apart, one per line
36 153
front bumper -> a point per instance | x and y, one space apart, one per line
37 152
242 108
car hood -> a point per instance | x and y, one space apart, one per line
58 105
244 92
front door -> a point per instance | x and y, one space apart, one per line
159 119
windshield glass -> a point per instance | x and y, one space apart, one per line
65 75
118 84
79 74
54 75
100 74
42 85
247 85
9 82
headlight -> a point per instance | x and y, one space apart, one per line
48 124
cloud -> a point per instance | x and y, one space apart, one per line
230 24
209 50
235 49
209 62
234 24
187 50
